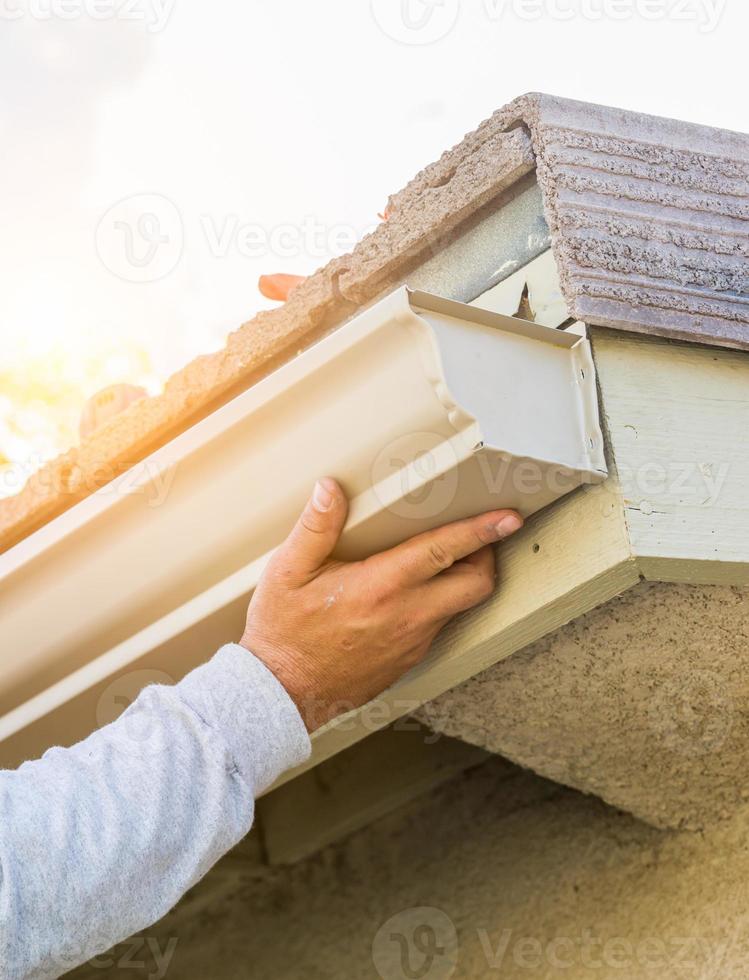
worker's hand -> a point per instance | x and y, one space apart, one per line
336 633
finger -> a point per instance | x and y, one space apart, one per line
464 586
315 534
483 559
278 286
433 552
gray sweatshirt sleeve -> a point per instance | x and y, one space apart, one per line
100 840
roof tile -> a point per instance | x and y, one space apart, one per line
649 221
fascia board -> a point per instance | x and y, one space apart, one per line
133 581
540 278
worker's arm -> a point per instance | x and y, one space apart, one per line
100 840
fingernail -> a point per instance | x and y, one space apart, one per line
322 498
508 525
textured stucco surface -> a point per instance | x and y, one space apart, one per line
648 220
538 881
643 701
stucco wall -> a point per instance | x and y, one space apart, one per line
529 880
644 701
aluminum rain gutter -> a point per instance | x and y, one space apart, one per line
425 409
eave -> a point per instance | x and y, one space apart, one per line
669 413
647 220
425 409
646 216
674 413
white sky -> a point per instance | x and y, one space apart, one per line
260 114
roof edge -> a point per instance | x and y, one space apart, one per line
648 220
423 216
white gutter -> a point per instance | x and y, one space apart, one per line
426 410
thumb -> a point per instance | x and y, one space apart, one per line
316 533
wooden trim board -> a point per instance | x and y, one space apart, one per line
362 784
570 558
677 420
677 427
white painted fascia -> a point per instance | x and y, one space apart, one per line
426 410
540 277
